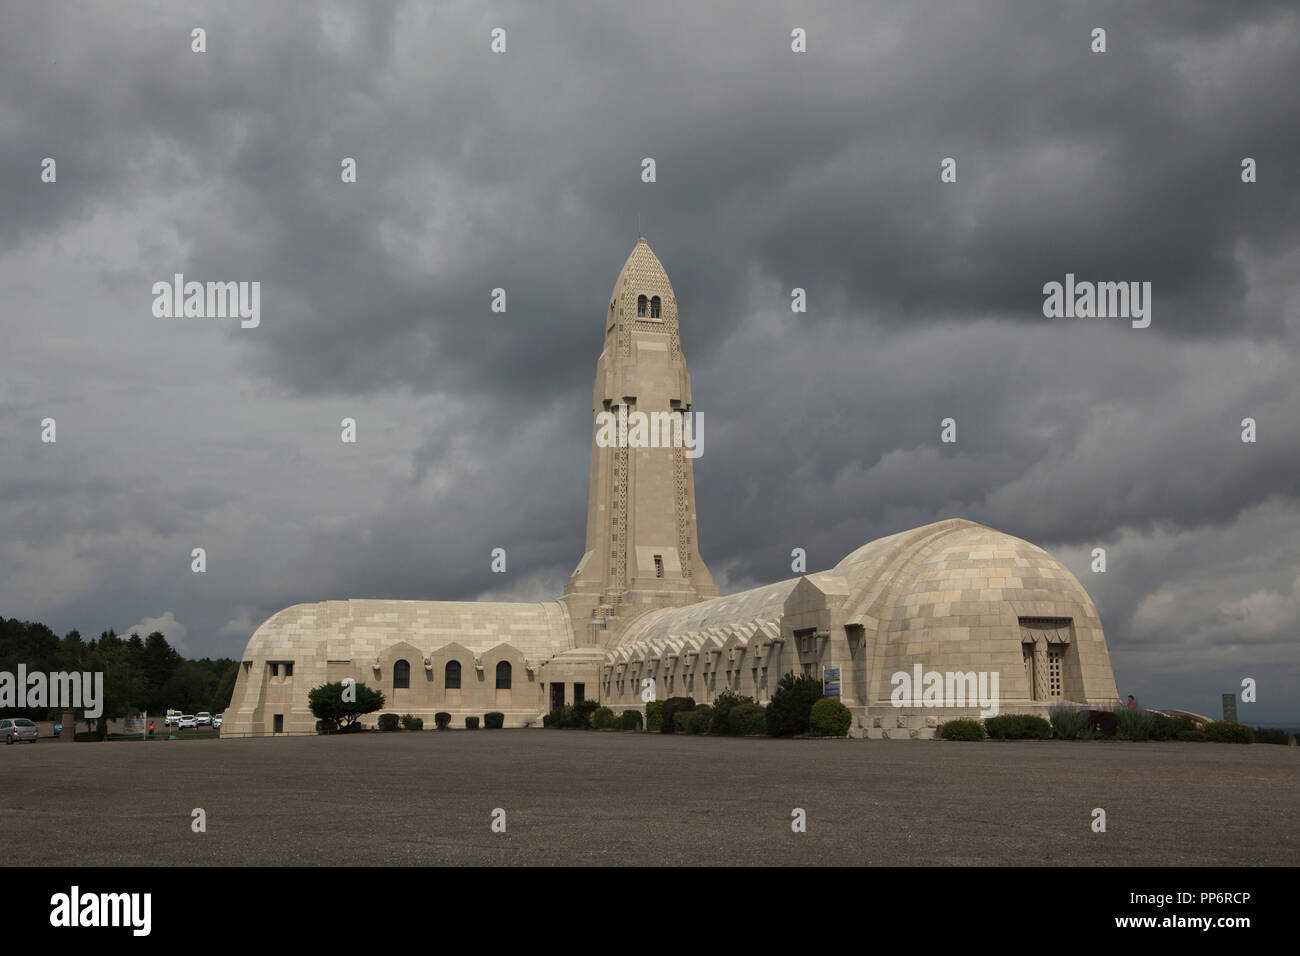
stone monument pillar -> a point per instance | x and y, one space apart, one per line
1230 707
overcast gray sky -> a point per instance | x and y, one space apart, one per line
774 170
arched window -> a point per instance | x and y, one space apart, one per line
452 675
503 675
640 305
654 307
401 675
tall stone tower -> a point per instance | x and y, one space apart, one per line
642 546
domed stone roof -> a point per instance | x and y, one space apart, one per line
952 596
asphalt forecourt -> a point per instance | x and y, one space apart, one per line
545 797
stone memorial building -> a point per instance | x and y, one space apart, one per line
641 610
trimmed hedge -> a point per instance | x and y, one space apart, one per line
962 730
654 715
672 707
390 722
494 720
747 720
1228 732
602 718
829 718
412 723
1018 727
325 727
629 720
471 723
442 720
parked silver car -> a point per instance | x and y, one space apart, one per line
14 729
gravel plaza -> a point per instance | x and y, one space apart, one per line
592 798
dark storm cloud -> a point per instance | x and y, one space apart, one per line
522 171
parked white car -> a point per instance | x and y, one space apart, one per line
203 719
216 722
16 729
187 722
172 719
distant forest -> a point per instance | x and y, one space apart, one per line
140 676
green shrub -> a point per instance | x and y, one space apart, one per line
1018 727
471 723
602 718
1134 724
582 712
1270 735
412 723
563 719
1174 728
1068 721
629 720
672 707
389 722
325 727
722 707
442 720
747 720
829 718
962 730
1228 732
698 721
654 715
494 720
792 705
1162 727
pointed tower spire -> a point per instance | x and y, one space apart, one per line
642 543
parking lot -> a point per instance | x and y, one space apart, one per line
572 797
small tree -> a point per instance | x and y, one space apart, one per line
327 703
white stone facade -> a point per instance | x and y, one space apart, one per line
641 606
